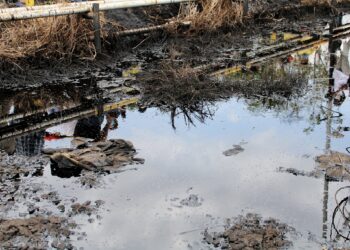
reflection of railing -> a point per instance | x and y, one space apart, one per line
38 112
286 48
32 124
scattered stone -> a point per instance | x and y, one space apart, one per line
99 203
192 201
251 232
61 208
32 232
89 179
85 208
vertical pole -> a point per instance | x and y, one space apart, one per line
97 27
332 60
245 7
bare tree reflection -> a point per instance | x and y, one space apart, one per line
183 92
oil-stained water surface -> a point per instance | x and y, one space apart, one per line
252 156
144 206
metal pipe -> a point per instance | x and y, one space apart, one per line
54 6
149 29
81 8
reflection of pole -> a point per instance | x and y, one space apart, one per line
332 63
325 208
332 60
326 182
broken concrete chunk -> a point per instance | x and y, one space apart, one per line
98 156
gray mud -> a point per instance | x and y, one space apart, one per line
251 232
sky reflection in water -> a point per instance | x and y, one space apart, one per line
142 209
190 160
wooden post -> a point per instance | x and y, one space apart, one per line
97 27
245 7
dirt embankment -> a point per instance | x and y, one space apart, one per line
46 58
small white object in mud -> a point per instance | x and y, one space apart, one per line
234 151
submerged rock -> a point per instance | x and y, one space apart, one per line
97 156
234 151
192 201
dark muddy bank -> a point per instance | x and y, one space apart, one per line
223 47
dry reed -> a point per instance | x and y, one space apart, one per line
61 38
210 15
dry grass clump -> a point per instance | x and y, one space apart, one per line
56 37
212 14
63 37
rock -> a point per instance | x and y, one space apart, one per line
192 201
84 208
61 208
54 244
97 156
79 142
99 203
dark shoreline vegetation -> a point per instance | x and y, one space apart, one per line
47 48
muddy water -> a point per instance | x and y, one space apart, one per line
145 205
145 208
198 176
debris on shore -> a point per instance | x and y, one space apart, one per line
251 232
105 156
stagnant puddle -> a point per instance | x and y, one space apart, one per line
249 171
